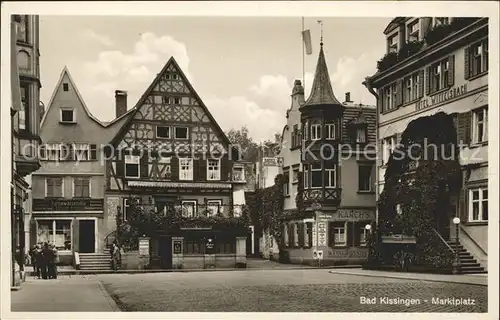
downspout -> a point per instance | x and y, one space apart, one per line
368 84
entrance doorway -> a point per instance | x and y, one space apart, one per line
86 236
165 248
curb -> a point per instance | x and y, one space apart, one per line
406 278
110 300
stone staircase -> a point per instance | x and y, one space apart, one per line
468 263
95 261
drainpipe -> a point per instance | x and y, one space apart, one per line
368 84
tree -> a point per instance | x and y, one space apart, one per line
241 140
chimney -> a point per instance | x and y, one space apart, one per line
348 97
121 102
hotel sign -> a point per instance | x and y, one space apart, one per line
68 204
442 97
353 215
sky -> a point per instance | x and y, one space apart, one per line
243 68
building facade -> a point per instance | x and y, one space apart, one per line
171 153
25 122
68 190
327 146
436 65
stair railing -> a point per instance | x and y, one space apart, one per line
444 241
109 239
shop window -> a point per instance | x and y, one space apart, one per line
194 246
57 232
338 234
478 205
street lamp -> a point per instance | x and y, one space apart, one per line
456 263
368 229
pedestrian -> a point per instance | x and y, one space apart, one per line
56 261
32 255
48 261
115 254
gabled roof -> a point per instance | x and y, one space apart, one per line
321 91
144 96
64 72
393 24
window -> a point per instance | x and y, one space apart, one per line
65 87
81 187
439 75
22 28
365 177
181 132
295 177
177 100
238 174
213 169
213 207
413 31
315 131
53 151
132 166
194 246
54 187
480 125
361 134
165 100
331 176
57 232
392 43
412 89
478 205
363 235
390 94
185 169
305 130
316 175
330 131
296 136
225 246
189 208
306 176
388 147
23 114
339 234
440 21
163 132
478 58
286 184
67 115
82 151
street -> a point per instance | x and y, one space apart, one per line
287 291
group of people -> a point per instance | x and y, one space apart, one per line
44 258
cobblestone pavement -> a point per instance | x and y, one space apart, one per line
288 291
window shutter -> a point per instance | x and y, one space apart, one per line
144 164
93 152
464 127
75 242
331 235
463 206
421 75
380 152
202 169
33 233
399 96
225 171
357 233
428 81
309 233
380 100
175 168
120 164
451 71
349 232
467 63
301 234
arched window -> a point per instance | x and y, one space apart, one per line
23 60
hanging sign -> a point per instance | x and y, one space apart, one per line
177 246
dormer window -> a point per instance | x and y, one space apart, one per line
413 31
68 115
392 43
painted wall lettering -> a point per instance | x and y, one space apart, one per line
442 97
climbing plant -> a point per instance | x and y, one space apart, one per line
422 175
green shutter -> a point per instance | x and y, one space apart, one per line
451 71
467 73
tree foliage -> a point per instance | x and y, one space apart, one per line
249 148
417 198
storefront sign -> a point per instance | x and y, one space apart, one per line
348 253
68 204
321 234
144 246
442 97
354 215
177 246
209 246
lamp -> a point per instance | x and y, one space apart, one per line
456 263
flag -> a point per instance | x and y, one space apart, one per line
306 36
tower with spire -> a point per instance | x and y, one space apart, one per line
321 119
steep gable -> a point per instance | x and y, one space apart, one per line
171 101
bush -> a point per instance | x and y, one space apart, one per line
387 61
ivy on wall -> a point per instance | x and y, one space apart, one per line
416 199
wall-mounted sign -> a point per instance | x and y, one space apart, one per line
321 234
209 245
177 246
348 253
354 214
144 246
48 204
318 254
442 97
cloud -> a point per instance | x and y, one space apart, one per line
102 39
261 107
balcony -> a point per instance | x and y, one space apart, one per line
326 195
25 148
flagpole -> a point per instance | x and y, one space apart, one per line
303 58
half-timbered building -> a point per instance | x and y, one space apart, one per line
172 153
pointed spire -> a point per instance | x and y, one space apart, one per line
321 91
